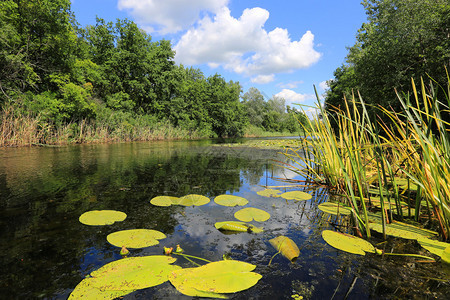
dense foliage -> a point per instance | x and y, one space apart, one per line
402 39
110 74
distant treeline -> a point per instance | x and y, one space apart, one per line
113 81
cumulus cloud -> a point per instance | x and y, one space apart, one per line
244 46
169 16
290 85
292 97
263 79
323 85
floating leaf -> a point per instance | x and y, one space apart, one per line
334 208
436 247
296 195
237 226
165 200
230 200
194 199
124 276
226 276
269 193
347 243
286 246
403 230
135 238
102 217
249 214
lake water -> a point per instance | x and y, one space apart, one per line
45 251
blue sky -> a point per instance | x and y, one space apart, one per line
282 47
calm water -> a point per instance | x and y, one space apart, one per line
45 252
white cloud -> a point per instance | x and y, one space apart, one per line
293 97
243 46
290 85
263 79
169 16
323 85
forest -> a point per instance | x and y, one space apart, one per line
60 83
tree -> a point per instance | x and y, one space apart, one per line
255 106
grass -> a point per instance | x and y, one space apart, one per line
375 165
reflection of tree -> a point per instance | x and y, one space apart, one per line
44 191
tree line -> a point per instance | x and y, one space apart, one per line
401 40
114 73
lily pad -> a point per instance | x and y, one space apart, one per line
347 243
436 247
227 276
269 193
403 230
124 276
165 200
135 238
102 217
249 214
334 208
286 246
296 195
194 199
230 200
237 226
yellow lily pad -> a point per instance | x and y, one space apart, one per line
269 193
230 200
194 199
237 226
403 230
287 247
436 247
249 214
102 217
165 200
347 243
296 195
227 276
135 238
334 208
85 290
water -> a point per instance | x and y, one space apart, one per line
45 251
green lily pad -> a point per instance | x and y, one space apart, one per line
287 247
347 243
249 214
230 200
296 195
102 217
269 193
194 199
237 226
436 247
334 208
124 276
227 276
135 238
165 200
403 230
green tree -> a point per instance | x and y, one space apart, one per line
255 106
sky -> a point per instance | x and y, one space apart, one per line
283 48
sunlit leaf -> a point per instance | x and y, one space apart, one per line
347 243
102 217
85 290
226 276
165 200
403 230
177 280
296 195
334 208
135 238
436 247
194 199
237 226
249 214
287 247
230 200
269 193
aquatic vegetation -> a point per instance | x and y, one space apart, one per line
102 217
347 243
296 195
165 200
269 193
237 226
230 200
249 214
440 249
334 208
287 247
135 238
188 200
